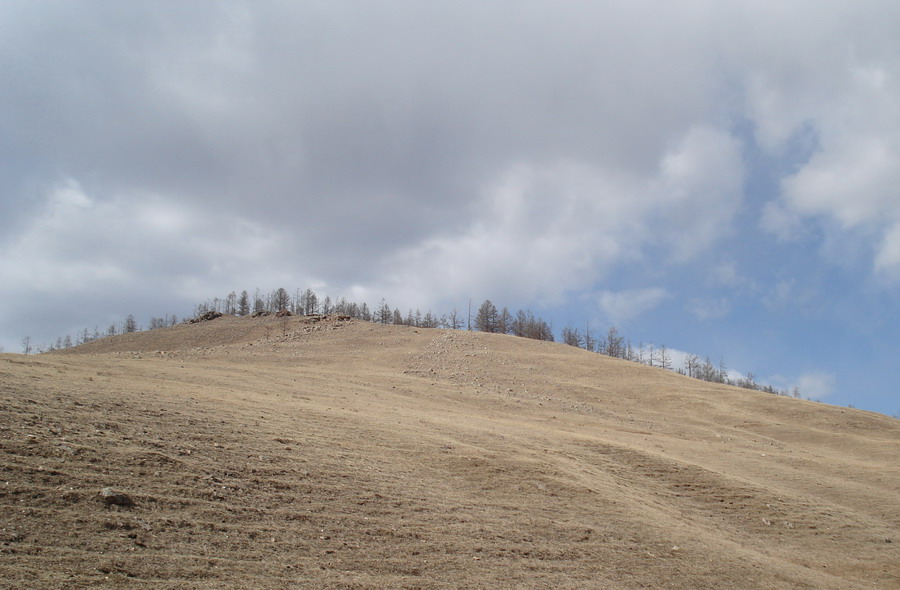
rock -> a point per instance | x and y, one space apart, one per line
208 316
109 496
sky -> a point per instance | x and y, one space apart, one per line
721 177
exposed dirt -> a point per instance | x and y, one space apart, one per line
291 453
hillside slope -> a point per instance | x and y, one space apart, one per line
289 453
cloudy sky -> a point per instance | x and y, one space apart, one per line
722 177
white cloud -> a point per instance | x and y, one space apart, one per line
541 231
816 385
887 260
621 306
784 222
89 256
846 93
709 309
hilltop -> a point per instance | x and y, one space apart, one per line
334 453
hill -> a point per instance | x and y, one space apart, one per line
334 453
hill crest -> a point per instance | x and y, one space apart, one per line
289 451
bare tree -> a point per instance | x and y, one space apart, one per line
383 313
243 304
613 344
692 365
663 357
231 303
259 305
572 337
281 300
26 345
309 301
130 325
487 319
452 320
430 320
504 321
590 343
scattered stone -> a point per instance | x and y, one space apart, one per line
109 496
283 314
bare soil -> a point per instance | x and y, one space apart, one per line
331 453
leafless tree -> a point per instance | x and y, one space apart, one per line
383 313
487 319
309 302
281 300
504 321
572 337
692 365
663 357
243 304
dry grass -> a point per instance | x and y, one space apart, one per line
262 453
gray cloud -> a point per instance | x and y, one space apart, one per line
422 151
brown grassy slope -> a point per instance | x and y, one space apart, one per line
263 453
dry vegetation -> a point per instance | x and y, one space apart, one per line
290 453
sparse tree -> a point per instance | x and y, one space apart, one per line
67 341
526 325
691 365
572 337
504 321
130 325
327 307
281 300
342 307
590 343
664 358
231 303
259 306
453 320
613 344
383 313
519 325
26 345
748 382
430 321
630 353
243 304
487 319
309 301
